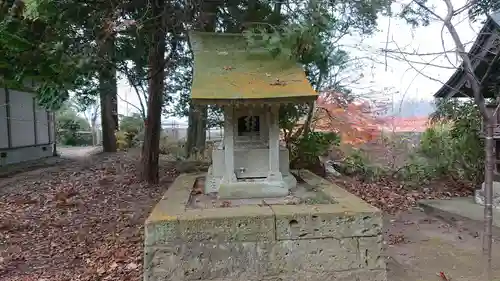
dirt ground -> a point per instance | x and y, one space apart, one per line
80 220
83 220
419 247
77 151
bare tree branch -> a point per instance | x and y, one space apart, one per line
131 104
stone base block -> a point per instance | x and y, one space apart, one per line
340 241
259 189
480 199
240 189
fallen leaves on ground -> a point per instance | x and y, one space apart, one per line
79 221
392 196
394 239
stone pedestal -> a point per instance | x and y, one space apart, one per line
334 241
479 195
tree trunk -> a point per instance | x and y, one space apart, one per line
201 130
151 145
306 127
93 131
108 89
488 193
197 120
192 131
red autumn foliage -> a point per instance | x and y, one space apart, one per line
354 121
408 124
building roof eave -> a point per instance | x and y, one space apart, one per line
456 82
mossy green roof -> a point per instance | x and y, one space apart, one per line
225 69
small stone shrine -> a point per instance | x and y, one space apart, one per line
250 87
255 220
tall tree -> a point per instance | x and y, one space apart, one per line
106 73
150 149
421 12
164 16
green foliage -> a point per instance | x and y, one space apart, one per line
483 8
306 149
32 47
419 170
314 144
357 164
131 131
437 144
289 115
123 142
452 147
69 127
172 148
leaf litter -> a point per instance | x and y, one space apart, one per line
84 220
79 221
392 196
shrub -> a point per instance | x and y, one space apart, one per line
69 127
173 148
357 164
451 147
418 171
438 146
121 140
305 150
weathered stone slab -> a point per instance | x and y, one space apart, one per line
324 221
173 202
265 189
161 263
370 249
358 275
159 233
316 255
208 260
243 223
349 217
352 275
227 260
229 224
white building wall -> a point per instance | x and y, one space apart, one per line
26 129
4 136
42 126
22 119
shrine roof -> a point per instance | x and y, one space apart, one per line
226 70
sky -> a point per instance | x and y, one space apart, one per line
384 74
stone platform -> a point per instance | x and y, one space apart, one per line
463 213
338 240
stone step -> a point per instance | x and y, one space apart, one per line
463 213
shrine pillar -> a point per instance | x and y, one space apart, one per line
274 144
